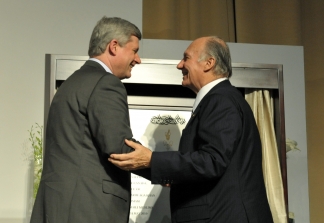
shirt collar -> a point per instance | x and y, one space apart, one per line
204 90
102 64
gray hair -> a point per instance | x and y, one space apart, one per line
108 29
217 48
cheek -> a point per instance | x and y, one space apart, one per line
129 58
126 60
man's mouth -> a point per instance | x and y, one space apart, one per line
184 76
184 72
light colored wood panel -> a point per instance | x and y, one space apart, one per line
188 20
268 22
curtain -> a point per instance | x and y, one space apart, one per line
261 103
268 22
184 19
241 21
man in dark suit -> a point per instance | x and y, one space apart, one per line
88 120
216 176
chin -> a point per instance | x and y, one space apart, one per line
127 75
184 83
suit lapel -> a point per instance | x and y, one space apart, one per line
222 84
193 115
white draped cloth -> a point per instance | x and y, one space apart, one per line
261 103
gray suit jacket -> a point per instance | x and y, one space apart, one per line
87 121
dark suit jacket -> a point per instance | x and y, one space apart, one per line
87 121
217 175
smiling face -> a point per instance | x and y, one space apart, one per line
126 58
193 69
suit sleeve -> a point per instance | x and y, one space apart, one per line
206 149
108 115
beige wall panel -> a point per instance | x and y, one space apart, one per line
313 38
158 19
313 41
315 139
268 22
188 20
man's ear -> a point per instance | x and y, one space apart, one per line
112 47
209 64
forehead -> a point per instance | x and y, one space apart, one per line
195 47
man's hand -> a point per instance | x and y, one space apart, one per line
140 158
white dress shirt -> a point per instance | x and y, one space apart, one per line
204 90
102 64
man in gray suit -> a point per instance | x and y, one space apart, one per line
88 120
216 176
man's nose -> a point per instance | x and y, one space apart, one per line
137 59
180 65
